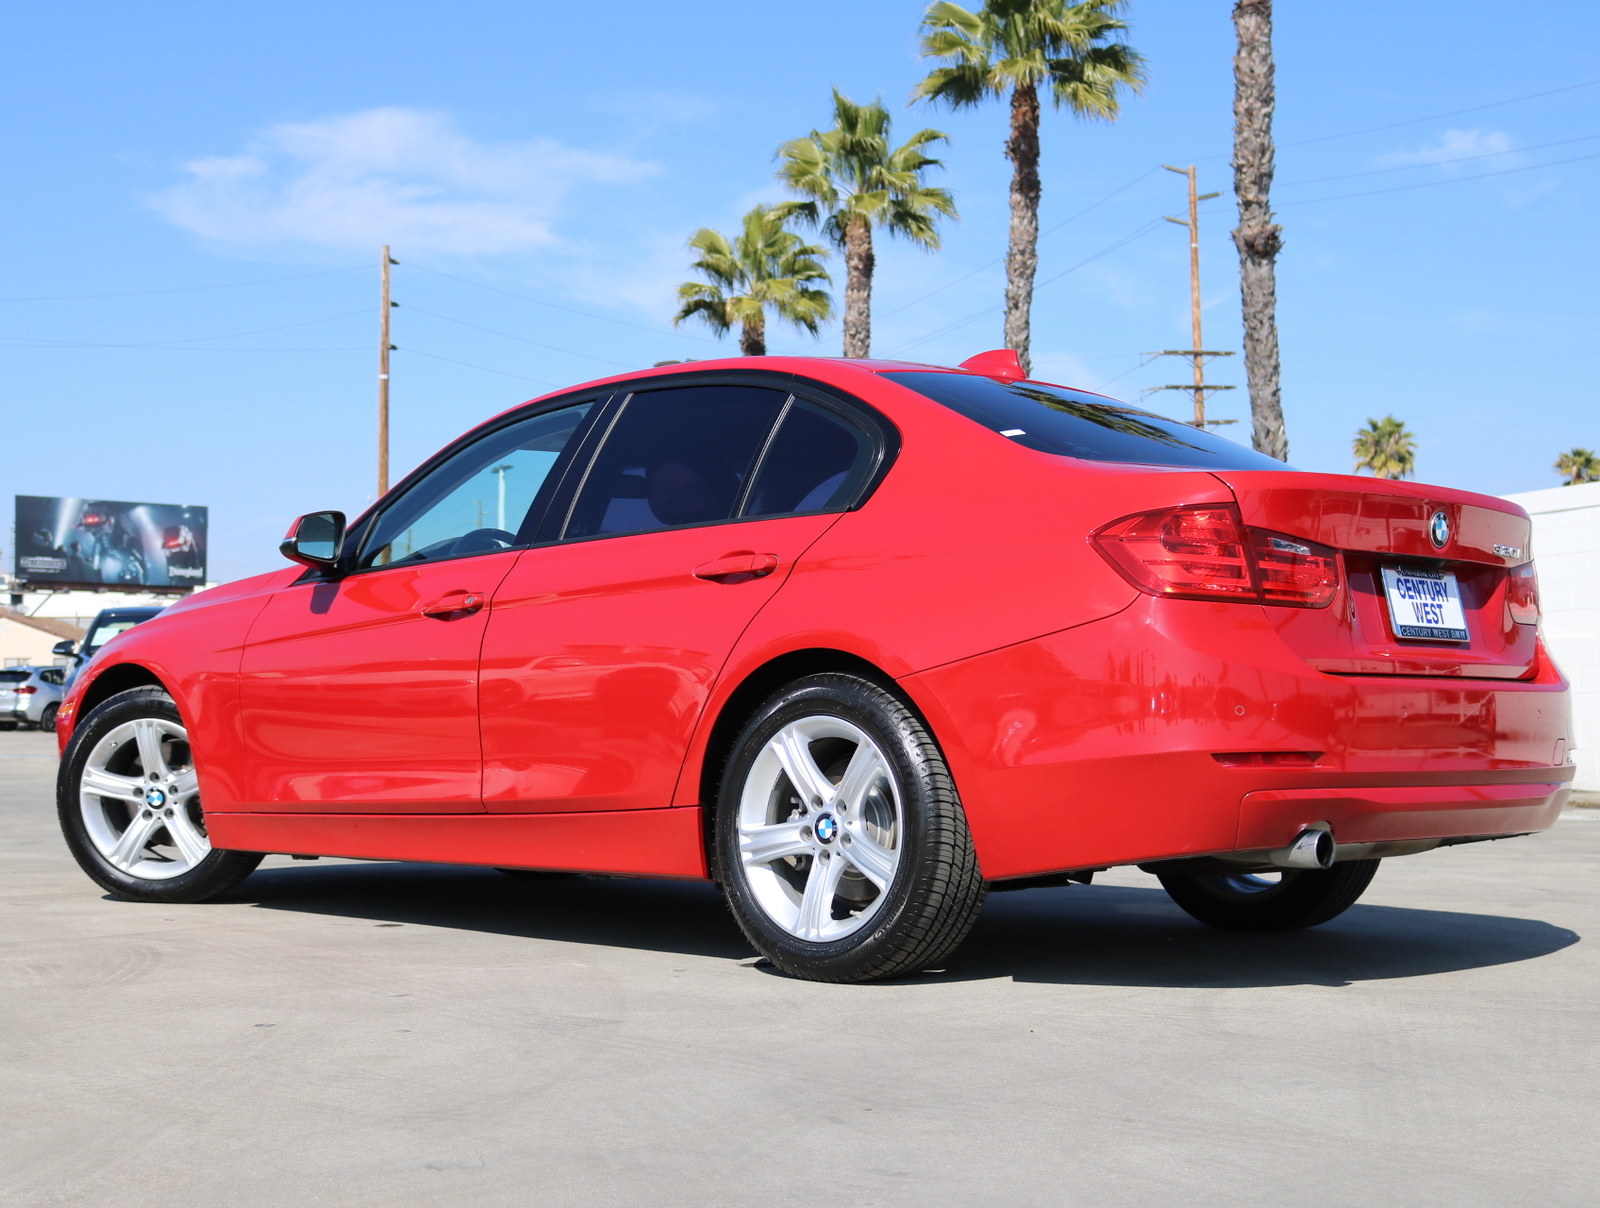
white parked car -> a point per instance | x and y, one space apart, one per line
30 696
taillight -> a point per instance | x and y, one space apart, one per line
1205 553
1295 572
1522 595
26 689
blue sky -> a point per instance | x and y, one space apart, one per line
248 161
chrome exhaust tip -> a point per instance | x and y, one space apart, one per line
1312 848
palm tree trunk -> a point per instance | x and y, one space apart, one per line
753 337
859 263
1022 257
1258 237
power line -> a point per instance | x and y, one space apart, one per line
984 267
1456 180
1126 239
660 331
182 289
19 342
1435 163
417 352
520 339
1436 116
46 342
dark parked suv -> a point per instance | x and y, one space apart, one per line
109 623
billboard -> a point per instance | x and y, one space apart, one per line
66 542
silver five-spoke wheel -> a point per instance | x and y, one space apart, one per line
819 828
838 836
140 800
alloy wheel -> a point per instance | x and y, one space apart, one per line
820 827
140 800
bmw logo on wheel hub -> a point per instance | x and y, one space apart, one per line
827 828
1439 530
155 798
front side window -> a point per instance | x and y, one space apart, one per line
674 457
488 496
1053 419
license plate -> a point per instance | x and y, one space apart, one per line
1425 604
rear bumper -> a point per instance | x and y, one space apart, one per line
1096 745
1272 817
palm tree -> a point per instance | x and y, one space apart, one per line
766 267
1257 237
1578 465
856 180
1386 448
1014 46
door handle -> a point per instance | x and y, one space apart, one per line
737 568
456 604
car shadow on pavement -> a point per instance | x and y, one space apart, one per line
1094 935
1120 936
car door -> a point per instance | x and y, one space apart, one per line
359 691
604 644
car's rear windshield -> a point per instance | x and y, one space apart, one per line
14 677
1053 419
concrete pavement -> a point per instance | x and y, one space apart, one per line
337 1033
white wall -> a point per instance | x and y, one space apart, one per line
1566 550
24 645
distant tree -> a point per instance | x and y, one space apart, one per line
1578 465
767 267
857 179
1013 47
1386 448
1258 238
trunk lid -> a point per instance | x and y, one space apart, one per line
1375 524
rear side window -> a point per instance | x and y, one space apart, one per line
1052 419
815 463
675 457
53 675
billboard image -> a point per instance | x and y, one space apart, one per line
68 542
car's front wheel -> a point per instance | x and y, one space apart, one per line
129 803
840 841
1288 900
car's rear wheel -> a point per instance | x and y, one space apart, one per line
840 840
47 719
129 803
1282 901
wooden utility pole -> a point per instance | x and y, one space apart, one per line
384 348
1197 352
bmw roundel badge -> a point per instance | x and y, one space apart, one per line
1439 530
827 828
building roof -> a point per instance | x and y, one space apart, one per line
50 625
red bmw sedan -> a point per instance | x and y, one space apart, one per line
859 641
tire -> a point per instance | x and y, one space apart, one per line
839 840
142 835
47 719
1244 901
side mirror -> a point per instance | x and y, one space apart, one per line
316 539
68 647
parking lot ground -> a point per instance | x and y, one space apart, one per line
341 1033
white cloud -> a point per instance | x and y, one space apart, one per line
1456 145
389 175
